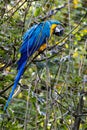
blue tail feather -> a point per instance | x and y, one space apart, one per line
20 72
21 61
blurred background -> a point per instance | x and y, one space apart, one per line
52 93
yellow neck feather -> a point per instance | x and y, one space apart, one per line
52 28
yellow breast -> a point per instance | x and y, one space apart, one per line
42 47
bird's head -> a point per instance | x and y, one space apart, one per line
56 28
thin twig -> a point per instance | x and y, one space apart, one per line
14 12
51 12
13 7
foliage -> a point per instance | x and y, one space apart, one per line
52 93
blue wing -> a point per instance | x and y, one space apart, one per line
32 40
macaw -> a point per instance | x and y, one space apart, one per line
34 39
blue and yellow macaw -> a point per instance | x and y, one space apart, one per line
33 40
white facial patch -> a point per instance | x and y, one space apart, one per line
57 30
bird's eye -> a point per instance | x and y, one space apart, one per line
59 30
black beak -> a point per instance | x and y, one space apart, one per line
59 30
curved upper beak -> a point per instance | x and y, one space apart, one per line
59 30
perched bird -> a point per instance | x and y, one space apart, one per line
33 40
